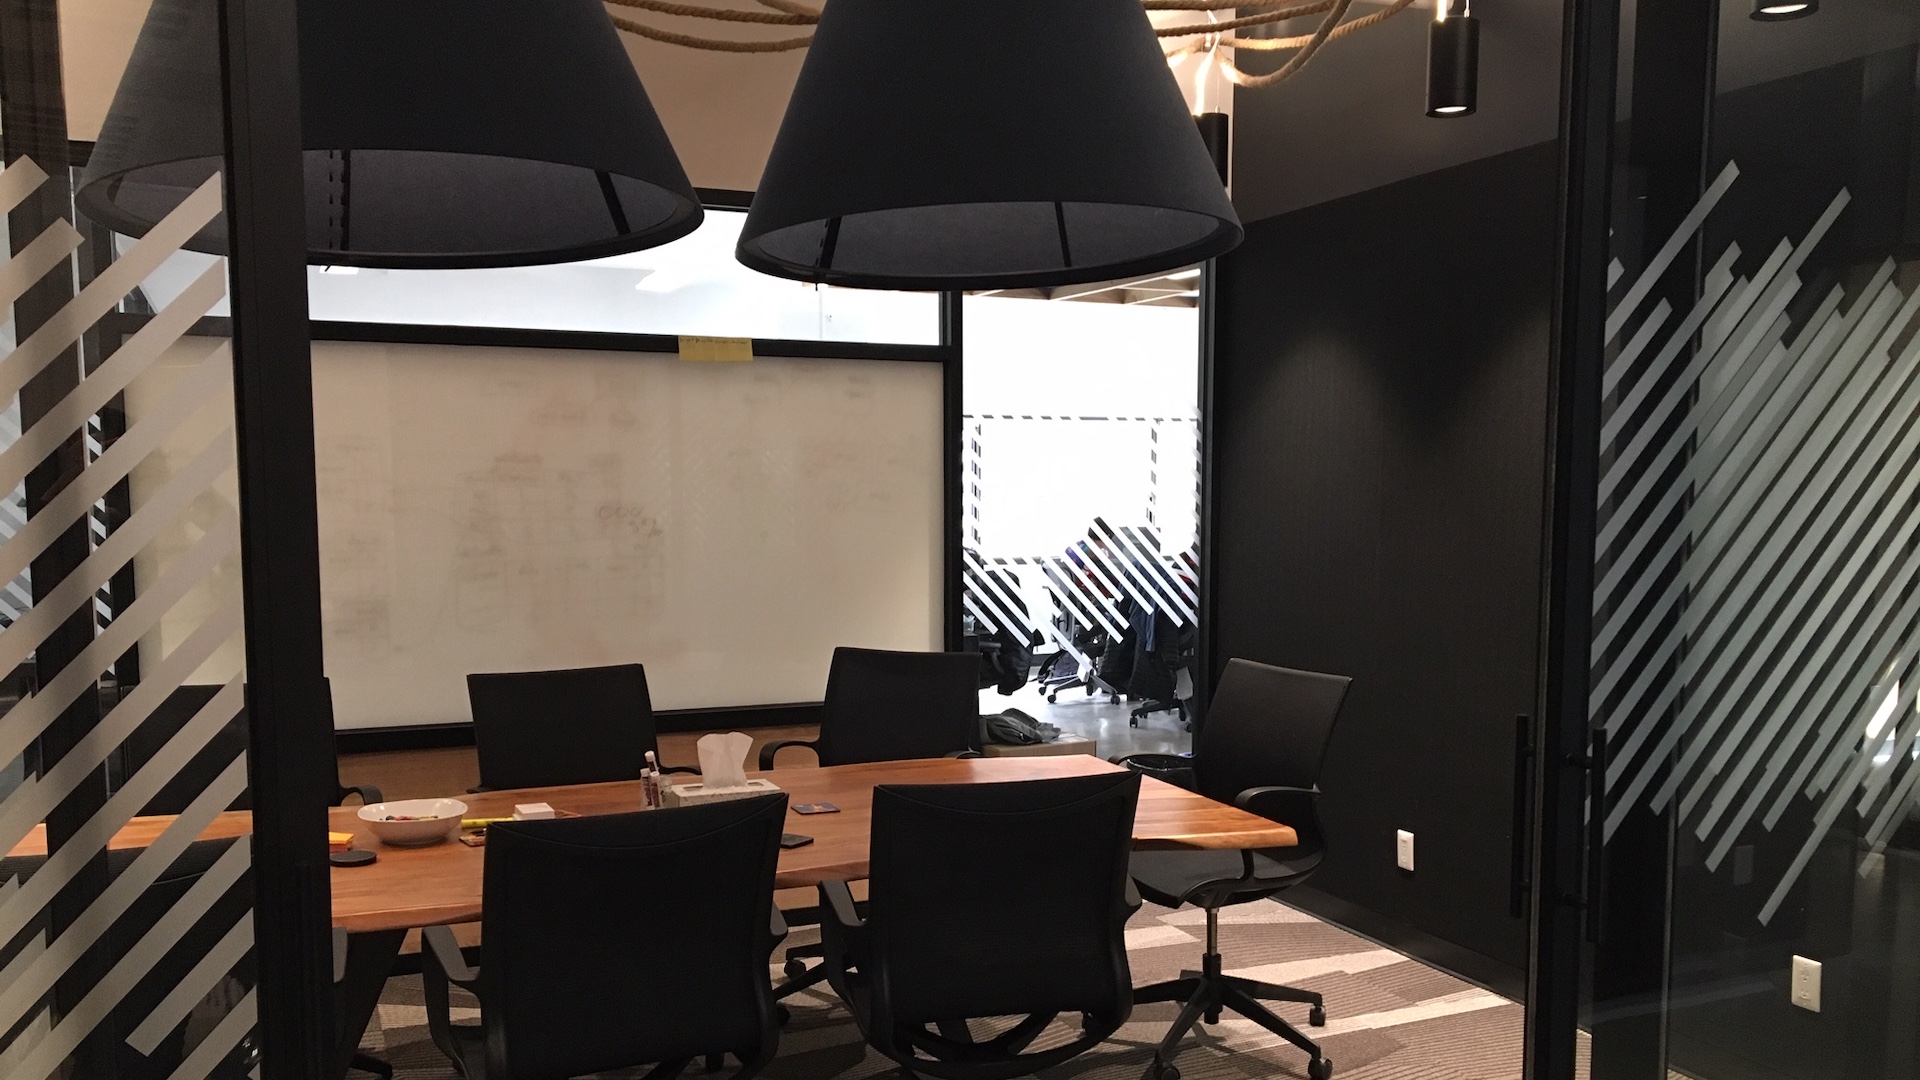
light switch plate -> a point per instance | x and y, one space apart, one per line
1403 850
1806 983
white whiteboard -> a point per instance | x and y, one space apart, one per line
725 524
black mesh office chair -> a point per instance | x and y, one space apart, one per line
152 986
618 941
572 726
886 706
988 900
894 706
1261 747
173 713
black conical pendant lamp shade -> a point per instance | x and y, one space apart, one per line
971 144
439 133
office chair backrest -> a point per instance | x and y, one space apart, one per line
574 726
630 937
892 706
193 776
1002 899
171 968
1266 725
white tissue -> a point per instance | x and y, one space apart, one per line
723 759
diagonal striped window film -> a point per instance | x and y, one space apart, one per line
1757 592
125 922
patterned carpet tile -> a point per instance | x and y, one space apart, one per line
1389 1018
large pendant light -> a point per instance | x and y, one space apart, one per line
438 133
972 144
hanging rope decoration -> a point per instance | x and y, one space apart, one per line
1209 36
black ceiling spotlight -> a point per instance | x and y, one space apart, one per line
1782 10
438 134
1453 60
978 144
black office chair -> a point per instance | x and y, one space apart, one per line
152 986
572 726
174 712
618 941
886 706
1261 747
894 706
988 900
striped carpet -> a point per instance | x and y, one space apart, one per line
1389 1018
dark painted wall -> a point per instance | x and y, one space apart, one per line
1380 415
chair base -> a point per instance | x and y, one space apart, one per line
799 976
367 1063
1209 991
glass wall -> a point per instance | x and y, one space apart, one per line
1756 648
126 929
1081 503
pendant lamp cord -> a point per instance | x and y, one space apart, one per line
1266 12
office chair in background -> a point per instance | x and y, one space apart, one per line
146 1002
988 900
886 706
1261 749
618 941
894 706
177 710
572 726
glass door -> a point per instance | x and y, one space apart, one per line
1755 620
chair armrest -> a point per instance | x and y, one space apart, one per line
777 926
836 903
1295 807
767 751
367 792
1172 768
339 955
445 953
688 769
963 754
478 789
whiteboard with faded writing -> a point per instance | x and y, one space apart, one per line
725 524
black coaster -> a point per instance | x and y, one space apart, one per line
354 857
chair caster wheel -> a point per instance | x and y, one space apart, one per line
1317 1016
795 968
1320 1069
1162 1070
1051 698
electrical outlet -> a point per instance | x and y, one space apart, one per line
1403 850
1806 983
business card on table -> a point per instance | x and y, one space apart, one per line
815 808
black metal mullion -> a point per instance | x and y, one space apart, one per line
952 471
291 766
1589 57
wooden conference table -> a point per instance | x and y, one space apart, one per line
428 886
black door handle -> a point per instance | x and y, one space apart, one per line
1519 874
1596 829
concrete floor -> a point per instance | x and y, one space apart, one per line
1092 717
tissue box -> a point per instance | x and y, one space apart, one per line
533 811
695 794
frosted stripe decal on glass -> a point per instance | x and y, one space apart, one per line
1757 581
177 535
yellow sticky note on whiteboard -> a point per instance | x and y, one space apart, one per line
716 348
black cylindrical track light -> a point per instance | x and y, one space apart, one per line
1453 60
1782 10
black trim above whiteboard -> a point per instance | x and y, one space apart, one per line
513 337
371 740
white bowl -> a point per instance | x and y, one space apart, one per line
428 821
